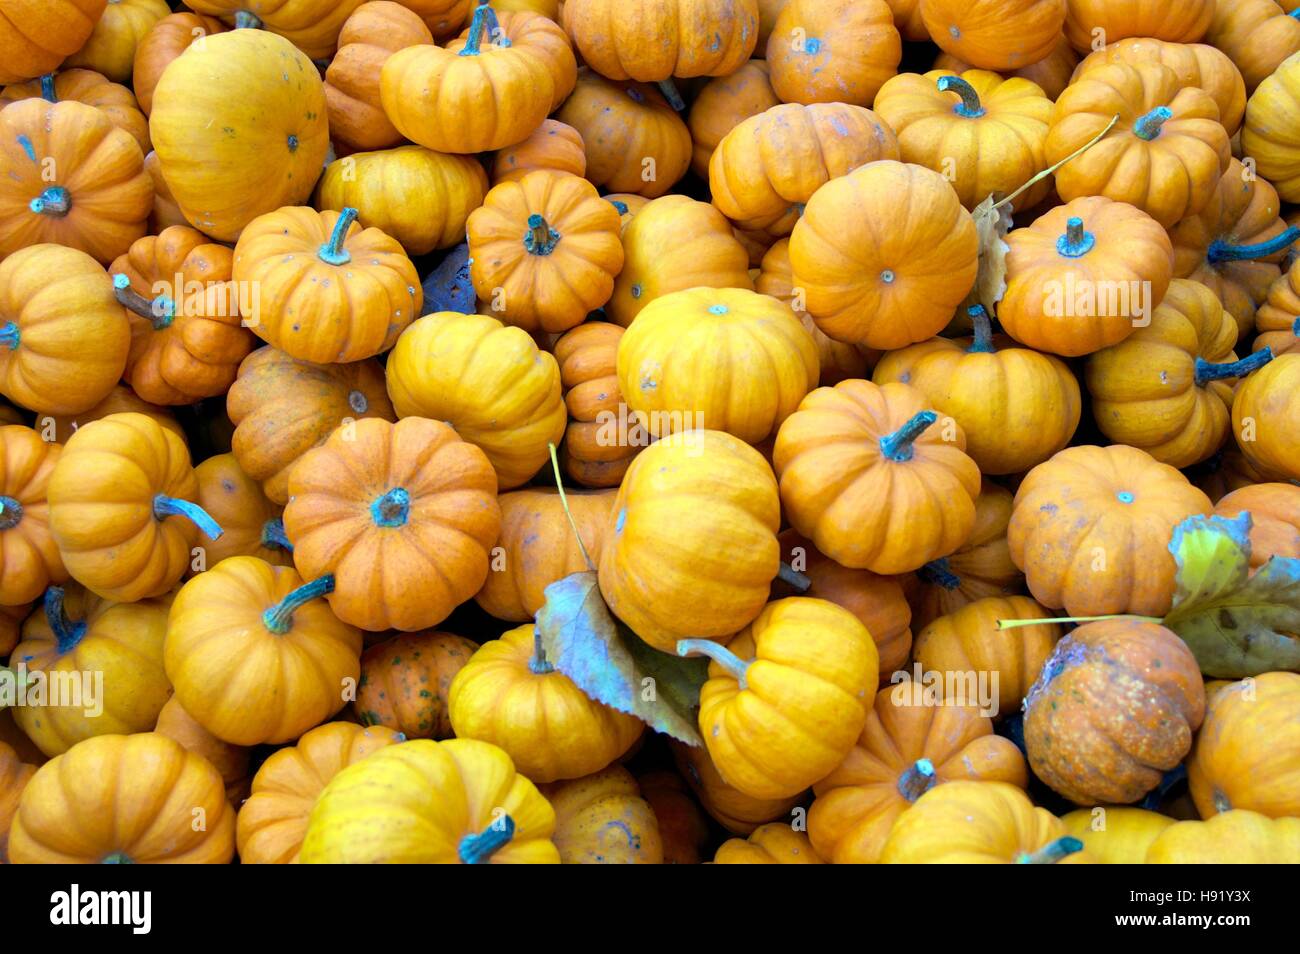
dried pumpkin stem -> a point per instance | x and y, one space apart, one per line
564 503
719 653
939 572
55 202
273 535
541 238
67 632
970 106
479 849
11 513
792 577
164 507
160 312
1052 852
333 252
47 88
672 94
1221 251
1148 127
279 618
1017 623
898 445
1207 371
10 335
247 20
917 780
538 665
983 343
1077 241
1039 176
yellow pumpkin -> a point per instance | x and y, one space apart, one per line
253 524
1238 837
601 819
769 845
1116 835
112 44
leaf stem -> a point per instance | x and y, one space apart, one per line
1052 168
1017 623
564 502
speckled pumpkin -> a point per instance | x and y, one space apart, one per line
405 681
601 819
837 51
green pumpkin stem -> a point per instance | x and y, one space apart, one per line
538 665
1076 242
1052 852
970 106
1148 127
1017 623
333 252
160 312
47 88
1221 251
479 849
164 507
939 572
278 619
247 20
541 238
1207 371
672 94
392 509
898 445
792 577
621 207
719 653
67 632
274 537
10 335
983 342
564 503
55 202
917 780
484 20
11 512
117 858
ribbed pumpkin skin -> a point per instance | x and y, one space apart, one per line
541 36
1186 23
1256 35
86 86
113 43
594 454
833 52
552 145
683 828
230 760
14 776
1051 75
1266 136
1278 317
311 25
1238 837
29 557
1116 835
121 400
1270 400
601 819
405 682
723 103
1274 510
169 38
250 520
731 808
995 34
36 39
769 845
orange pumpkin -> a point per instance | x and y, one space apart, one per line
1118 19
59 427
1266 417
541 35
995 34
405 682
166 212
683 828
167 39
840 51
230 760
252 523
552 146
725 102
86 86
311 25
593 453
601 819
112 45
1278 318
444 18
769 845
29 558
14 776
36 39
1274 510
11 621
731 808
1051 74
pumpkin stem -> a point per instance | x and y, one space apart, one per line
278 619
484 18
621 207
333 252
54 201
541 238
160 312
792 577
538 665
671 93
1075 243
1207 371
898 445
564 502
1221 251
392 509
1052 852
47 88
117 858
983 343
273 535
67 632
1148 127
940 573
1017 623
164 507
1221 801
479 849
1295 14
11 512
970 106
719 653
247 20
917 780
10 335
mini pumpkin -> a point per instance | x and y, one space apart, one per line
444 18
723 103
552 146
1256 35
1274 510
14 776
594 453
601 819
166 212
840 51
1125 18
86 86
731 808
112 45
1278 317
36 39
769 845
252 522
167 39
489 382
1091 530
405 682
683 827
995 34
459 801
1266 136
311 25
231 761
1238 837
29 558
57 428
1051 74
1116 835
906 748
1266 417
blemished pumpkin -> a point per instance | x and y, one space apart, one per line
488 381
86 86
1165 155
723 103
968 822
536 547
239 125
282 407
766 169
124 799
1246 754
401 516
1237 837
1258 35
405 681
372 33
1051 74
1091 528
858 462
273 820
1266 417
509 694
59 427
29 558
601 819
866 281
735 811
1274 510
787 696
694 523
252 523
1196 64
877 601
291 257
672 244
1167 388
1266 136
1057 265
460 801
485 95
552 146
72 177
683 828
906 748
1017 407
187 333
979 568
1114 708
122 511
232 761
635 141
75 632
592 453
539 34
776 844
1115 835
673 354
112 45
1277 320
544 250
14 776
1119 19
311 25
995 34
36 39
420 197
968 641
167 39
253 653
987 140
833 51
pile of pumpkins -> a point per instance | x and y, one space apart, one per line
306 308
